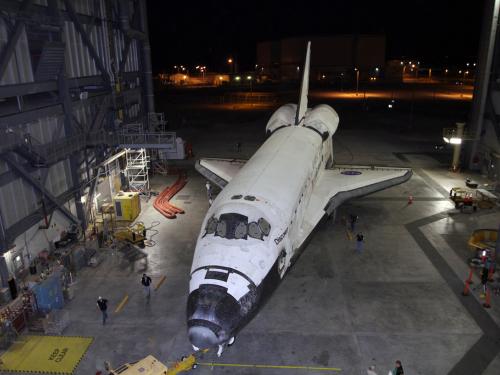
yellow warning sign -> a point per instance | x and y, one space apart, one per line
45 354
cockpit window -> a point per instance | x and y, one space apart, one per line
221 229
254 231
264 226
259 229
236 226
232 226
211 226
240 232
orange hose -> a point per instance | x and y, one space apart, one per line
162 204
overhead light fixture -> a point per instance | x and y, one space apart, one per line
453 140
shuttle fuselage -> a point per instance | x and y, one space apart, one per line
253 230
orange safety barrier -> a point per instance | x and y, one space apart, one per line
466 290
487 303
467 283
469 279
162 204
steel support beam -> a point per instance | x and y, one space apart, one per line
54 110
482 84
146 60
6 53
41 14
125 51
27 222
3 235
10 175
70 131
41 189
8 91
86 40
31 115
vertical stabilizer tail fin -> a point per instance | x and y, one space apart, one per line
304 88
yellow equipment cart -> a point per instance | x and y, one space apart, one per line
151 366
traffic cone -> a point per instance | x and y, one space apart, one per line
487 303
469 279
466 290
491 272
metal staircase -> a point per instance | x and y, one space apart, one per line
51 61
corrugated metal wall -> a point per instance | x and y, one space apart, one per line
17 198
19 69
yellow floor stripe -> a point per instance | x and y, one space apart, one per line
349 234
283 367
122 304
162 280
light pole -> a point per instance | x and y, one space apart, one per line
357 81
249 78
230 62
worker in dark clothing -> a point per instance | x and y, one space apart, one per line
398 370
353 220
146 283
484 277
103 306
359 243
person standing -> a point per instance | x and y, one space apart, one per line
146 283
209 190
102 304
359 243
484 278
354 219
398 370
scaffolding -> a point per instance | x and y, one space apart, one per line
137 170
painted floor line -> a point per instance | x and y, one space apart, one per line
122 304
162 280
283 367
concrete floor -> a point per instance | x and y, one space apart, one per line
400 299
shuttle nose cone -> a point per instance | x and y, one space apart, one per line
202 337
213 315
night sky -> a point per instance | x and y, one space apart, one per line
208 32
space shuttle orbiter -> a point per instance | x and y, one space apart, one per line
269 205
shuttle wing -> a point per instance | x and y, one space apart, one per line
344 182
219 171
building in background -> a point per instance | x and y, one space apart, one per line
331 56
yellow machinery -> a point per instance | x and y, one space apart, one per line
135 234
151 366
483 239
147 366
127 205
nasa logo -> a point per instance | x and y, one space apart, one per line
280 238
